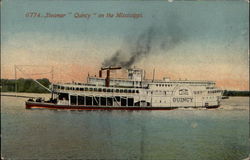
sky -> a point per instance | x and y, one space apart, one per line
194 40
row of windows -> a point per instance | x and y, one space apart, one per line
216 91
97 89
211 97
164 85
118 80
209 87
159 92
197 92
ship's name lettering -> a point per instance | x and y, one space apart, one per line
188 100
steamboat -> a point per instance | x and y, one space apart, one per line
132 93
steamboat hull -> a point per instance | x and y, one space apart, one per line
30 105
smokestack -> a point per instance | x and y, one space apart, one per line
100 73
153 75
107 80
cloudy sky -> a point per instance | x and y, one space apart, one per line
205 40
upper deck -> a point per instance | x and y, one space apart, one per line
134 85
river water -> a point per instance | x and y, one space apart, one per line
188 134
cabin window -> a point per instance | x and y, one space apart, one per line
81 99
86 89
90 89
81 89
133 91
104 90
137 91
156 85
62 87
63 96
108 90
125 91
112 90
121 91
99 89
117 90
73 100
95 89
129 91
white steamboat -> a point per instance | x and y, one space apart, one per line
131 93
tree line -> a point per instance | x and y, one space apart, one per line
236 93
24 85
28 85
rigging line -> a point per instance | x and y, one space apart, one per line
33 73
35 80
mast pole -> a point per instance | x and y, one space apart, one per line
52 88
52 74
15 80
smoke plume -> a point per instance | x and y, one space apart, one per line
163 37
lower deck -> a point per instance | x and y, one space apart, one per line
30 105
135 101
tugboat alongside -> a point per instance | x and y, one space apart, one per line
131 93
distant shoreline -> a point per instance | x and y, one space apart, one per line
29 86
236 93
22 85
